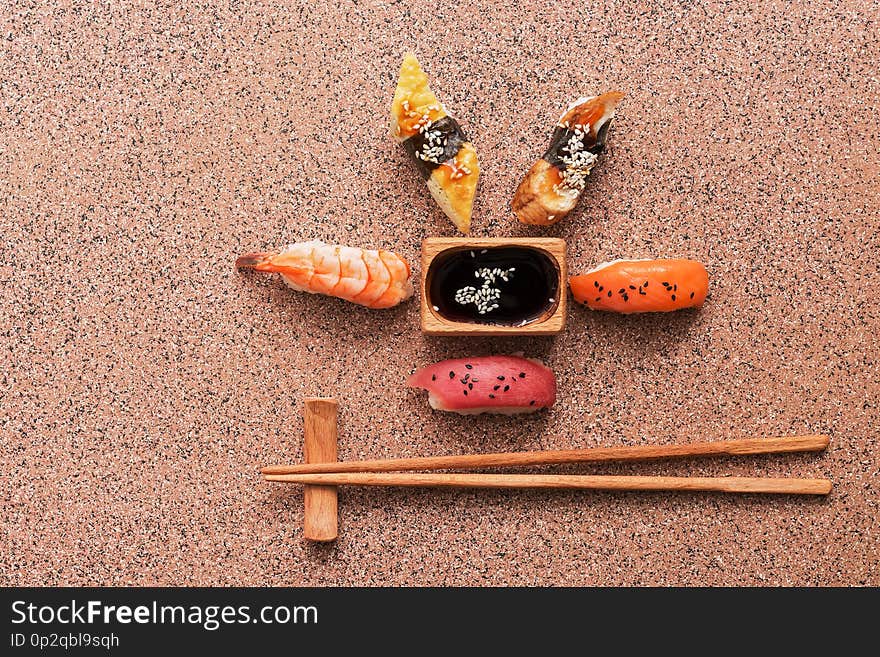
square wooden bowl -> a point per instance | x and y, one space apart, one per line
552 322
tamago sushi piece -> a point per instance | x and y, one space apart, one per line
435 141
642 286
487 384
372 278
554 184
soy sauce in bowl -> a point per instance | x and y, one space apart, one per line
506 285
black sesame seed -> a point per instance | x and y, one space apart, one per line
452 375
522 375
692 295
673 297
506 388
470 367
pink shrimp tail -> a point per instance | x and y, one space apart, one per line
252 260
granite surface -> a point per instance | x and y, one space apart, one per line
144 380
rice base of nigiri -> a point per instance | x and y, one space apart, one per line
437 405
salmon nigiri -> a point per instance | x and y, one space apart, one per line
554 184
642 286
376 279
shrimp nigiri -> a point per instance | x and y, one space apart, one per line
642 286
554 184
376 279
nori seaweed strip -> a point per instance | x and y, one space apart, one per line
560 138
448 128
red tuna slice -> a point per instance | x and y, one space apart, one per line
487 384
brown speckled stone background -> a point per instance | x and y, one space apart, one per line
144 380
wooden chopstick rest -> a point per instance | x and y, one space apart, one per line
320 519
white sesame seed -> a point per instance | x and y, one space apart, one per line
486 297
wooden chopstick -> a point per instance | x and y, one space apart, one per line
586 482
811 443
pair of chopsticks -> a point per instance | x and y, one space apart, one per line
384 472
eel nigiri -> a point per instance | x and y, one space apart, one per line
435 141
487 384
642 286
376 279
554 184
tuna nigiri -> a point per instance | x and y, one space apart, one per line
376 279
488 384
554 184
445 157
642 286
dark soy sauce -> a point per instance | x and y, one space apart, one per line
530 291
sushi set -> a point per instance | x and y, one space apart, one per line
494 287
